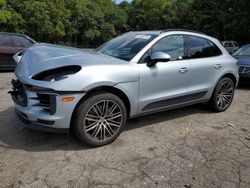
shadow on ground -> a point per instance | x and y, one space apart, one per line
6 71
244 84
13 136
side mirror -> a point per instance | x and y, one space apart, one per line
158 57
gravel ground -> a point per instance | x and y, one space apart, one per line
186 148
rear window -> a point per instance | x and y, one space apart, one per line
201 48
5 40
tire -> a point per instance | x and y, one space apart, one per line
100 119
223 95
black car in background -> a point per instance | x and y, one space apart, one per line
10 44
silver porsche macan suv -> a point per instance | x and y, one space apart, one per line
93 93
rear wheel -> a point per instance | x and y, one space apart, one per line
223 95
100 119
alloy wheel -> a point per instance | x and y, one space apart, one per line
103 120
225 94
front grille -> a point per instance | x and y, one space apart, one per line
43 100
18 93
244 69
247 70
46 101
241 68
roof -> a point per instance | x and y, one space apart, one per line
152 32
159 32
183 30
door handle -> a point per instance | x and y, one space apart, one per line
183 70
217 66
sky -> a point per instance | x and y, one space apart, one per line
118 1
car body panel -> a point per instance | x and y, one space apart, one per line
243 61
9 49
97 69
202 69
244 66
163 81
6 57
148 89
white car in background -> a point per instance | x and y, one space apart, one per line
231 46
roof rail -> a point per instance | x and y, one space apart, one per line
187 30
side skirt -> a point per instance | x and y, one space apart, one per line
173 103
168 108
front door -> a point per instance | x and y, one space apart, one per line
167 83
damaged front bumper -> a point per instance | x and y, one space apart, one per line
42 108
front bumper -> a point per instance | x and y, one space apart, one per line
244 71
243 75
43 109
26 123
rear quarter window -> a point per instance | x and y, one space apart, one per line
201 48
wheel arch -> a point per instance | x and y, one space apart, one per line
231 76
106 88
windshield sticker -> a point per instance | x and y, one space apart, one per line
146 37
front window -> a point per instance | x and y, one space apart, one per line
126 46
244 51
172 45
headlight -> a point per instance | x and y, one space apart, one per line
57 73
57 77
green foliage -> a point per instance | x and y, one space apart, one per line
89 23
10 20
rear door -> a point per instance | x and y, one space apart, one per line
204 63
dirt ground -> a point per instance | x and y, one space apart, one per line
187 148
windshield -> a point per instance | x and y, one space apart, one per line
243 51
126 46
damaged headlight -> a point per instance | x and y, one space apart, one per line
57 73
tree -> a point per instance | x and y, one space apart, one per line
148 15
9 19
89 23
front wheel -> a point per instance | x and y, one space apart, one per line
100 119
223 95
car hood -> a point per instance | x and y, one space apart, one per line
45 56
243 60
